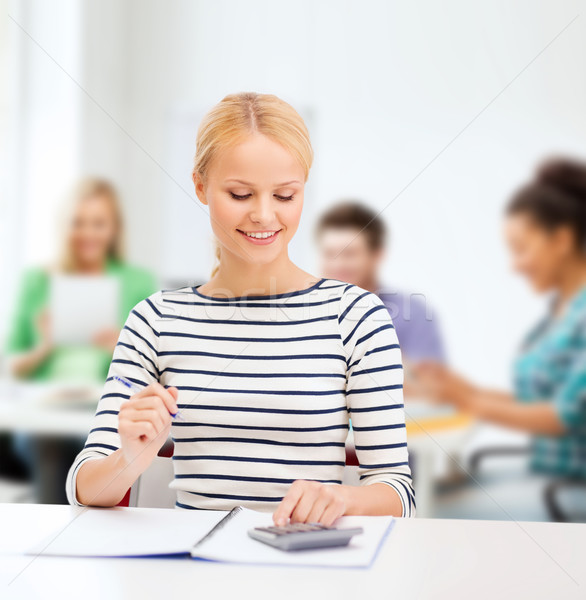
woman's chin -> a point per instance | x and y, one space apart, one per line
542 287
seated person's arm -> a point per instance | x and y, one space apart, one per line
22 364
537 417
566 411
23 353
554 417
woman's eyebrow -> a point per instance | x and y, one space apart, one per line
248 183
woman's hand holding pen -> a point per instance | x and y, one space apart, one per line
144 422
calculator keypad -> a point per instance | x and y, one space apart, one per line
293 528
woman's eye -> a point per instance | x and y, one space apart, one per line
245 196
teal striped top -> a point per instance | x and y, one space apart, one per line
551 366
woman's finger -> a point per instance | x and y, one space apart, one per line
135 430
287 504
334 510
317 510
153 402
146 414
304 506
156 389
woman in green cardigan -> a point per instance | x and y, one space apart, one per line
91 244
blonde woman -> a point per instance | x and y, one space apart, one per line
91 242
265 361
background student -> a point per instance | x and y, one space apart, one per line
92 242
546 234
352 241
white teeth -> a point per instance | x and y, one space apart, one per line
260 236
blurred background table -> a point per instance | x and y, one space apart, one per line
42 427
51 409
436 436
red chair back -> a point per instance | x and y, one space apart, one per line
167 452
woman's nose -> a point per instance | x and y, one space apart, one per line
263 210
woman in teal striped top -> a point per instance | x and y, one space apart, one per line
546 229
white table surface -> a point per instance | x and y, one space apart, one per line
422 558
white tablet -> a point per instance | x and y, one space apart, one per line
83 305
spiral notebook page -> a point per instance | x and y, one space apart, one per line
116 532
231 543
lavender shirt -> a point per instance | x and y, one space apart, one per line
415 324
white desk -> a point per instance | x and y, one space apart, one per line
422 558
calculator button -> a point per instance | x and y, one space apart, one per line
307 527
273 530
304 527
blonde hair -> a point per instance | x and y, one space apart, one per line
85 188
237 116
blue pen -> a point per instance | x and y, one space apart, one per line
137 388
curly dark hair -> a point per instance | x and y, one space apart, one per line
555 197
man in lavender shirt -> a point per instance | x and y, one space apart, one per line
351 239
416 326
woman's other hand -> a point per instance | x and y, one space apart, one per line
439 384
311 502
144 422
106 339
412 387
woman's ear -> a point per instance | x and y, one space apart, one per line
199 187
564 240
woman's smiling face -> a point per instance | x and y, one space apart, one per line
254 187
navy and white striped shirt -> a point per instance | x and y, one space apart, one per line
267 385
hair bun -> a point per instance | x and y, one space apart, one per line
566 175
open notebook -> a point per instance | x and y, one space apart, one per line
201 534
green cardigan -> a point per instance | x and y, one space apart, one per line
82 363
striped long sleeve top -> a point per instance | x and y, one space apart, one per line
268 386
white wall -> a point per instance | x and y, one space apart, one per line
41 53
391 85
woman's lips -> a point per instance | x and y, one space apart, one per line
260 241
